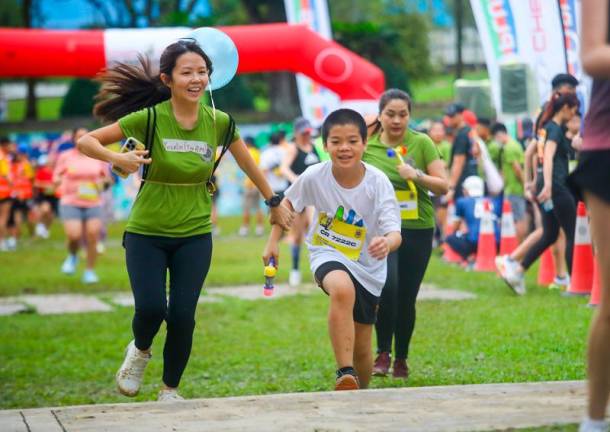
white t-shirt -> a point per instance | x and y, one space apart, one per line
372 201
271 159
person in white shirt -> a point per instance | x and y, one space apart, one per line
356 225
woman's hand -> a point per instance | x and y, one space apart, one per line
529 191
131 161
281 216
407 172
577 142
545 194
379 247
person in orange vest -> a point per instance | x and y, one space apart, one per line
6 151
22 192
46 196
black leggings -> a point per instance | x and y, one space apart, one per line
406 269
188 261
563 215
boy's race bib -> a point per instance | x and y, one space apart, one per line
88 191
346 238
407 202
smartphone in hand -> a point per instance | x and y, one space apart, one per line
130 144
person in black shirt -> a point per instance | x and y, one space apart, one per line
463 163
556 202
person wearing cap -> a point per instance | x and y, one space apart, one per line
468 211
463 162
297 159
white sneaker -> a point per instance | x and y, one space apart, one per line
560 283
243 231
90 277
69 265
501 264
509 270
3 246
294 279
589 425
11 244
259 230
41 231
100 248
129 376
166 395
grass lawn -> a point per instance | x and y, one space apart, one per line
47 109
258 347
440 88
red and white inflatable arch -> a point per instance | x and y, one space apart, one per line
262 48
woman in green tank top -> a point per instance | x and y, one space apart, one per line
169 227
414 166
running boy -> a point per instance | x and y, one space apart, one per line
356 225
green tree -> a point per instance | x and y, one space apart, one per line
397 43
78 101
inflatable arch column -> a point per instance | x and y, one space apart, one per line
34 53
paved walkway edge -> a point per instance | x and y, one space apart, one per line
483 407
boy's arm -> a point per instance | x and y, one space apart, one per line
381 246
272 249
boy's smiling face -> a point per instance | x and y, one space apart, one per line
345 146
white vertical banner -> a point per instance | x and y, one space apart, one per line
316 100
496 25
539 30
570 18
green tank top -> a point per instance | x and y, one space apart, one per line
174 201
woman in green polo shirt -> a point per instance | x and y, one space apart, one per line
414 166
169 227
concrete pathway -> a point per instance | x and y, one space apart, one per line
80 303
484 407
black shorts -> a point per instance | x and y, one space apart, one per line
19 206
592 174
366 304
52 200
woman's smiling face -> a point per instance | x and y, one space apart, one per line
189 77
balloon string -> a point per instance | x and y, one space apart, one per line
212 100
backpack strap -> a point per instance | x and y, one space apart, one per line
149 139
226 143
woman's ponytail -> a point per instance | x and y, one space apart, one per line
127 88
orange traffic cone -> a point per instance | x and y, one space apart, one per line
486 248
450 255
508 234
546 271
582 261
596 290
